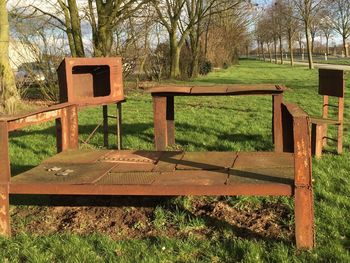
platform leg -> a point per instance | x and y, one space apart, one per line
304 218
160 124
5 229
5 174
317 132
340 138
277 122
105 125
119 126
170 120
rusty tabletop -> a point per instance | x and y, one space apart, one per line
164 115
159 173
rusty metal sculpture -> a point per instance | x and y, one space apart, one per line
163 107
331 84
114 172
93 81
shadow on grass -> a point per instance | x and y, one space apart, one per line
143 131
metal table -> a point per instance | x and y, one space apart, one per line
163 107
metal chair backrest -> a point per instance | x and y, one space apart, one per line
331 83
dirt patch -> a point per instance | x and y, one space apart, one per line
270 221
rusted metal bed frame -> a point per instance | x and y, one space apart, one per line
155 173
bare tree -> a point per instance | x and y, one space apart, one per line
9 96
180 17
105 16
306 11
64 15
290 25
341 20
314 30
327 30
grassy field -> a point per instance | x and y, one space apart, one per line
175 230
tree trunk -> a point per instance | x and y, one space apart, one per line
275 49
174 57
68 28
9 96
104 40
345 47
76 28
270 53
262 50
195 48
281 50
308 45
327 45
290 43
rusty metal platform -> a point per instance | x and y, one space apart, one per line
150 173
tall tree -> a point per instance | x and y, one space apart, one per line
307 10
71 24
291 26
341 20
169 14
182 18
105 16
327 30
9 96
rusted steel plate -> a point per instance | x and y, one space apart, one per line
5 228
168 161
304 218
170 88
63 173
277 175
154 189
131 157
256 89
91 81
77 156
128 178
264 160
28 114
34 119
231 89
324 121
192 177
206 160
209 89
331 82
133 167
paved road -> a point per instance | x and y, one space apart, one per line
319 65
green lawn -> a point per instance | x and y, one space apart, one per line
176 230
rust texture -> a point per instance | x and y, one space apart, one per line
331 84
94 81
165 173
91 81
163 107
5 175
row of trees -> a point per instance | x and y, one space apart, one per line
296 20
165 38
122 27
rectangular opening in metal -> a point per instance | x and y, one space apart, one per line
91 81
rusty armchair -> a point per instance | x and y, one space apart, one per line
331 84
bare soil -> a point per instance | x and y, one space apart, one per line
132 220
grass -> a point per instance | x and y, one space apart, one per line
202 123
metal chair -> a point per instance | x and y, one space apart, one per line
331 84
